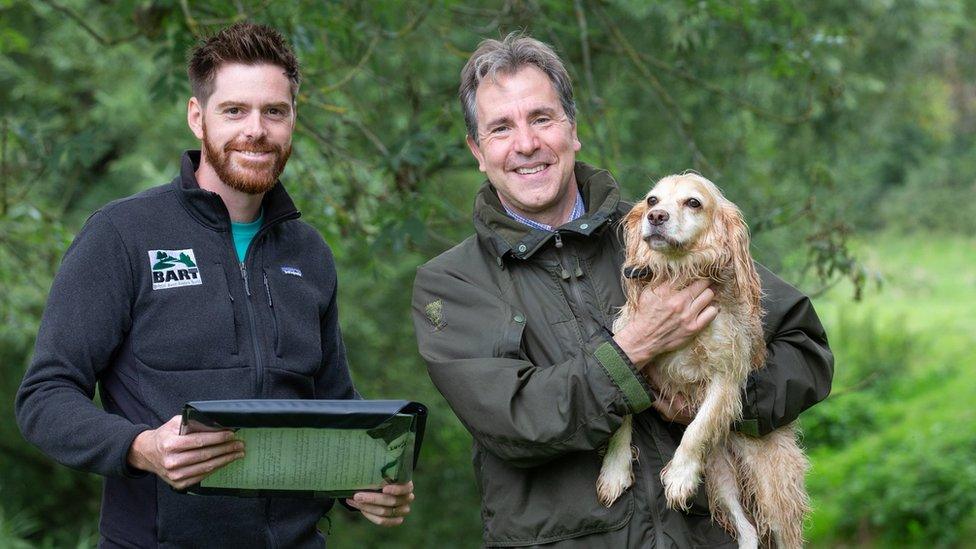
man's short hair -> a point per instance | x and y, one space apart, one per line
244 43
507 56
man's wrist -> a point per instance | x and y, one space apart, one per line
136 457
632 348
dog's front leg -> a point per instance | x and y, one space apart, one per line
616 474
682 474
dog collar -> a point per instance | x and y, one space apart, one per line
637 272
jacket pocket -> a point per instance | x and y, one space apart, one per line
552 502
295 307
189 327
509 341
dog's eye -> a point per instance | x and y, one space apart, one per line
651 200
693 203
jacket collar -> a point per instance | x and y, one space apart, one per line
208 208
506 236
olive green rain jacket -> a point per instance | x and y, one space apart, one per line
512 323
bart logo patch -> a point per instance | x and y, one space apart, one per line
173 268
435 314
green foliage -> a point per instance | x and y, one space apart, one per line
818 119
872 358
892 448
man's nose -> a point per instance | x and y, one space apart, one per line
526 141
254 126
657 217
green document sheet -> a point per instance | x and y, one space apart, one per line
320 459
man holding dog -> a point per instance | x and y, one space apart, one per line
512 324
206 288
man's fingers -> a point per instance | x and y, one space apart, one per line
199 440
698 286
701 301
202 469
398 489
381 521
706 316
190 457
386 500
383 510
378 514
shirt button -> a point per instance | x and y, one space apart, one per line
518 318
585 226
522 247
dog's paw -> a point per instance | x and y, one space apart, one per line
680 479
612 483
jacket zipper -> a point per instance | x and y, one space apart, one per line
572 279
258 357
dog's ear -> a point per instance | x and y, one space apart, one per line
736 235
631 227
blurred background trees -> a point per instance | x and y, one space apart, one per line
843 129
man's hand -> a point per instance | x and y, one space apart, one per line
183 460
386 508
664 320
674 408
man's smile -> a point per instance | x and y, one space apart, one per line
533 169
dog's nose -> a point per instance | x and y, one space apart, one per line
657 217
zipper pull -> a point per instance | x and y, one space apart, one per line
564 274
578 273
247 288
559 241
267 289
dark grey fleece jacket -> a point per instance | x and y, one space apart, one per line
152 305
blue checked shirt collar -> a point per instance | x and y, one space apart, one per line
578 211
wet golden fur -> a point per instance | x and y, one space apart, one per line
755 485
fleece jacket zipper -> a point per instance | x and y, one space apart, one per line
258 357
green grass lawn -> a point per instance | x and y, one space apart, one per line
894 448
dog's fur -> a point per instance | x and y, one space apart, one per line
755 486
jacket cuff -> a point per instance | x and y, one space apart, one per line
623 373
128 471
749 424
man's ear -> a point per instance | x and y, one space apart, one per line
576 142
194 117
476 151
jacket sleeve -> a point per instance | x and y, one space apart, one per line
799 365
87 315
523 413
333 379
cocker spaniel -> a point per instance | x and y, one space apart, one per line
685 230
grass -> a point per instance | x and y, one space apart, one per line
893 450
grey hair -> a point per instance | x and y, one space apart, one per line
507 56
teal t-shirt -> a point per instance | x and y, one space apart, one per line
244 233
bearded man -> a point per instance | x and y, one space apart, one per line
209 287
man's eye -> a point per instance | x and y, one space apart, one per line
543 120
498 129
651 200
233 110
693 203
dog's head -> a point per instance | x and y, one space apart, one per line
685 224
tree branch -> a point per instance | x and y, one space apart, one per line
747 105
88 28
3 170
352 72
663 98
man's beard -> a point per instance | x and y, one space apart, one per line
243 177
